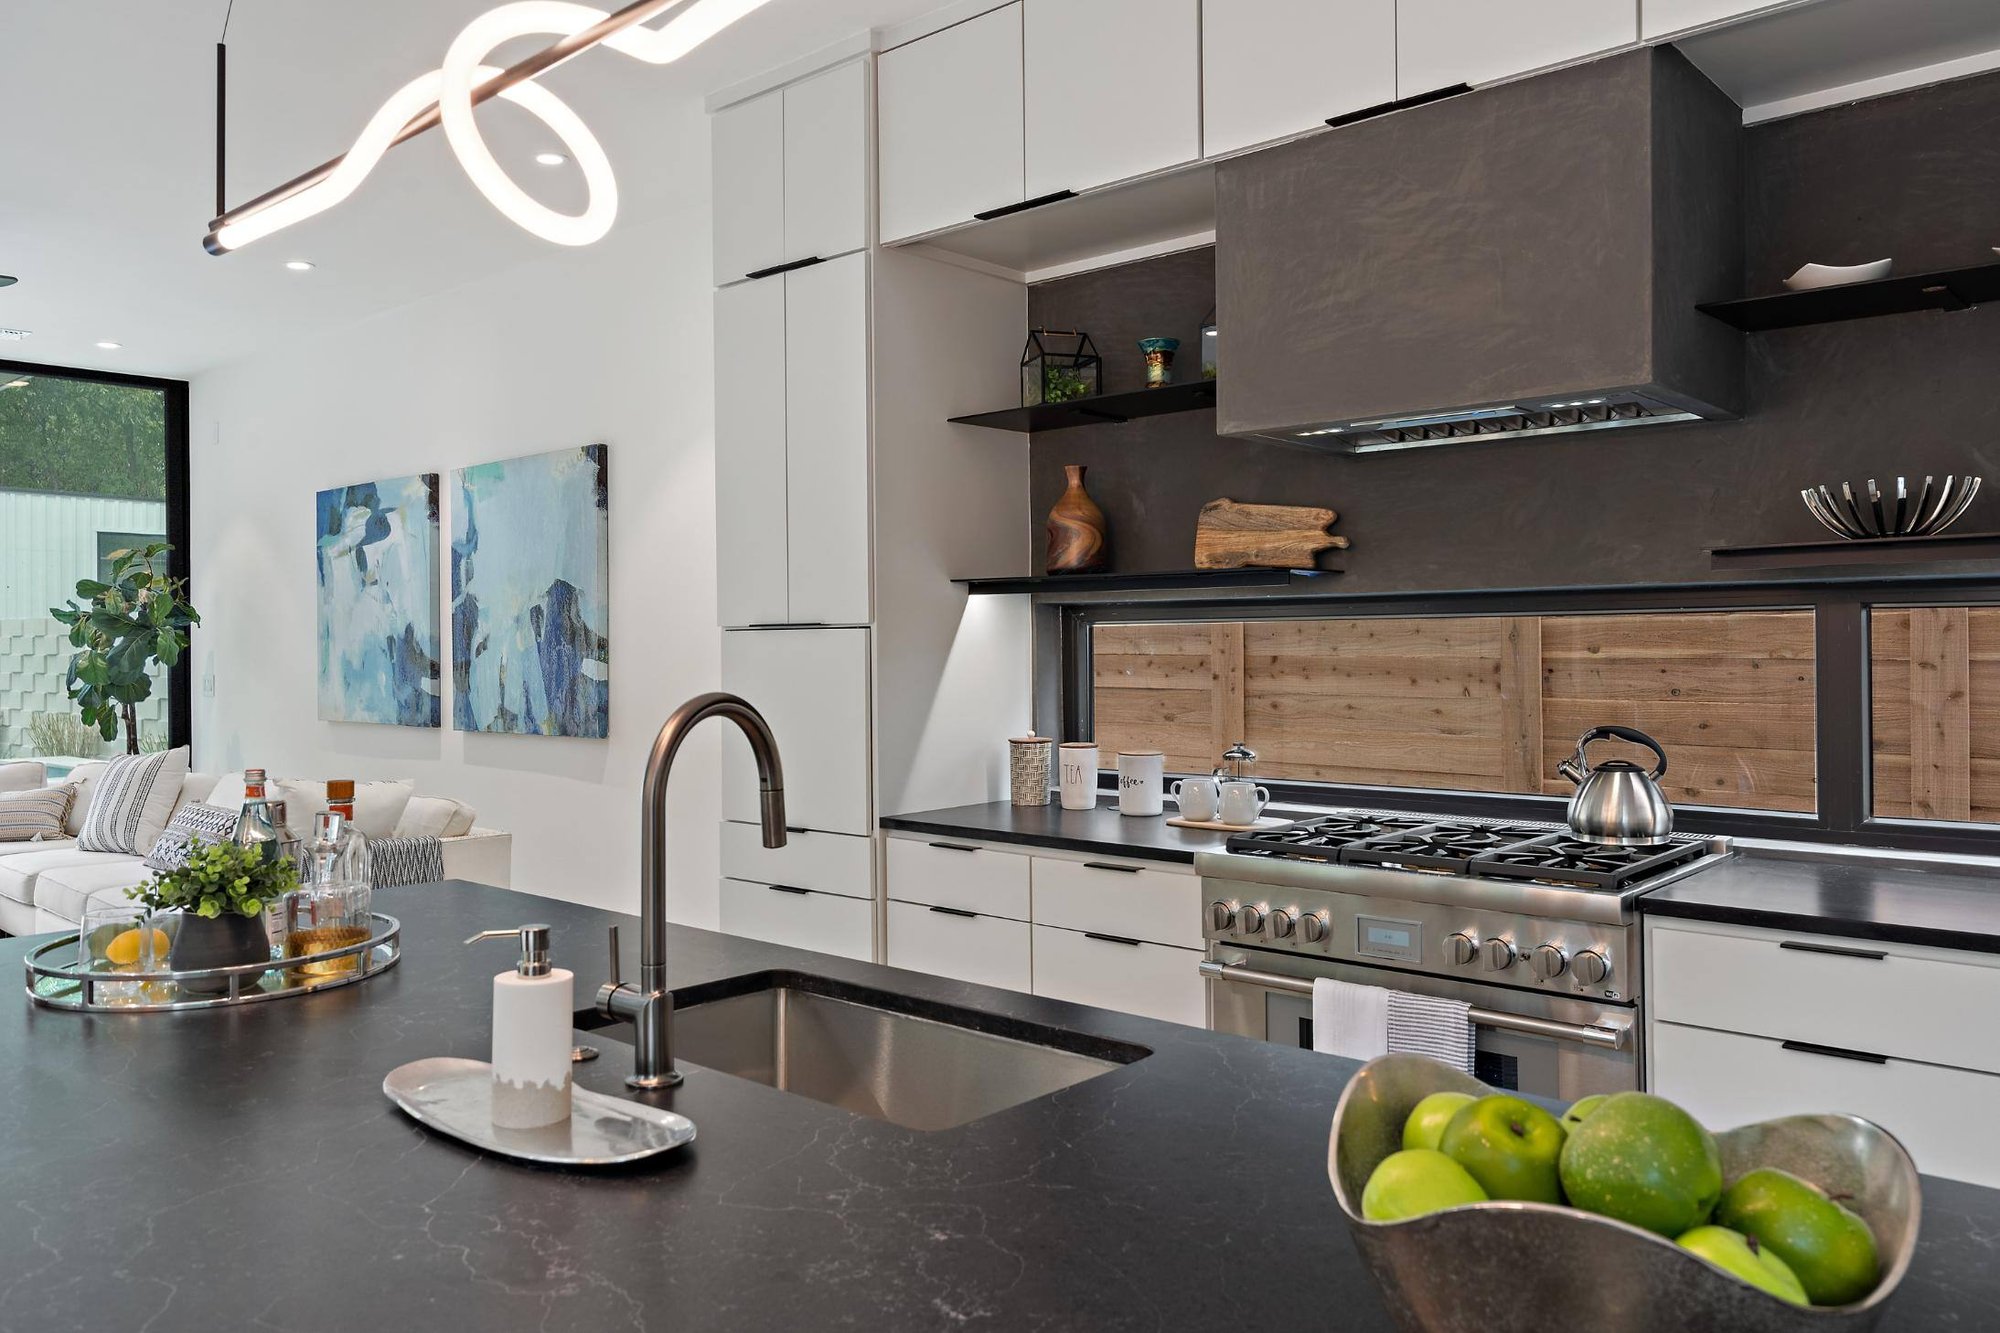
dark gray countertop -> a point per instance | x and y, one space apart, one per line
1899 902
242 1169
1103 830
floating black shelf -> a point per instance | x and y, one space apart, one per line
1950 289
1190 396
1873 551
1173 579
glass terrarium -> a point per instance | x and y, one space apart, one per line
1059 366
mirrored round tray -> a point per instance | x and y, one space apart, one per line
56 982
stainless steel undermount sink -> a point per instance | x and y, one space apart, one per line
881 1055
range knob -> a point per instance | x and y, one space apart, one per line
1548 961
1500 954
1591 967
1278 925
1462 949
1221 916
1249 919
1312 927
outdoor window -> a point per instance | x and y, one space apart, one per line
84 471
1476 703
1934 677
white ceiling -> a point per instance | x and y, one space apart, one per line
107 162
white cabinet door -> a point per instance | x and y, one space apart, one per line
950 112
748 145
751 570
1442 42
1113 89
1659 18
1119 898
836 863
946 872
1135 978
826 450
985 950
1272 68
799 919
812 687
827 183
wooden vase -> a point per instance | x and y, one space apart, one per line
1077 540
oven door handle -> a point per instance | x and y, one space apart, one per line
1610 1036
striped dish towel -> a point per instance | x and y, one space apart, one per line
1429 1025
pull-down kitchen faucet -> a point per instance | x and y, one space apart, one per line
650 1007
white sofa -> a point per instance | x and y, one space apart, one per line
45 886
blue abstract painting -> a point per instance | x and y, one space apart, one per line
378 602
531 595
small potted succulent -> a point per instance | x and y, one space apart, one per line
221 893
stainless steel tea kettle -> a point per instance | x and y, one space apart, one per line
1618 803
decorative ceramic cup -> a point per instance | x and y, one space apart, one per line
1139 775
1078 778
1242 801
1159 360
1198 798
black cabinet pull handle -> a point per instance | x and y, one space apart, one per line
1800 946
776 269
953 847
1110 939
787 888
1022 207
956 911
1400 104
1837 1052
1106 865
794 828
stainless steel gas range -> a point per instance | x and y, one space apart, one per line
1533 927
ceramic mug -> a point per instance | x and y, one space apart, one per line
1139 777
1197 798
1078 778
1242 801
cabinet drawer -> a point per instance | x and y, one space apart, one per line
949 873
985 950
1118 898
1151 980
1726 1080
828 862
1832 992
801 919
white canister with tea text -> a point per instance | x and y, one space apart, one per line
1139 782
1079 775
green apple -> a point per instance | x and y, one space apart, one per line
1427 1121
1643 1160
1510 1146
1579 1111
1740 1256
1414 1182
1829 1248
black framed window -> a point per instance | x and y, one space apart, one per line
90 462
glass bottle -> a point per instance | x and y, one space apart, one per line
331 907
255 827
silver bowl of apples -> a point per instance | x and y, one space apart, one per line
1479 1212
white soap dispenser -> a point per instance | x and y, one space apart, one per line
533 1017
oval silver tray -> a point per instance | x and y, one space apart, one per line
56 982
455 1097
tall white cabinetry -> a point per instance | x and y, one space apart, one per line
1442 42
845 504
1275 68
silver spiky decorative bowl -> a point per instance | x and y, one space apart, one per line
1891 512
1506 1267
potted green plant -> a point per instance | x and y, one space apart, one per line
125 626
221 892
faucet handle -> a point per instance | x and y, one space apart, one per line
615 982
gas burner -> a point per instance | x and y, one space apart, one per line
1439 847
1322 837
1575 863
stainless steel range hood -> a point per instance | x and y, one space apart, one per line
1519 261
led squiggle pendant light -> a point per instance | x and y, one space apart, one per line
448 94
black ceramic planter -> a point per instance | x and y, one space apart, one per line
226 941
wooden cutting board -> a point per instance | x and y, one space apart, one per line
1234 536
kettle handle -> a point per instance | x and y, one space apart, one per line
1613 732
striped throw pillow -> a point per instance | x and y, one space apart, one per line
131 801
30 816
193 825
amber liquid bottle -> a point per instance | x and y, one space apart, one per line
331 909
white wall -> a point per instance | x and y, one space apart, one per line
610 343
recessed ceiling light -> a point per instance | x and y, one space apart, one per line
110 346
299 265
550 159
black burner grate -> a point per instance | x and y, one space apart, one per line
1574 863
1449 846
1322 838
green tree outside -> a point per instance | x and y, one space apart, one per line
82 438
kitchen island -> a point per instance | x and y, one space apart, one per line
242 1169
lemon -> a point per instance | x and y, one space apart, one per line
123 951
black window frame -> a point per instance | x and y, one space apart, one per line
180 691
1843 700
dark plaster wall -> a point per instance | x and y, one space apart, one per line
1915 176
